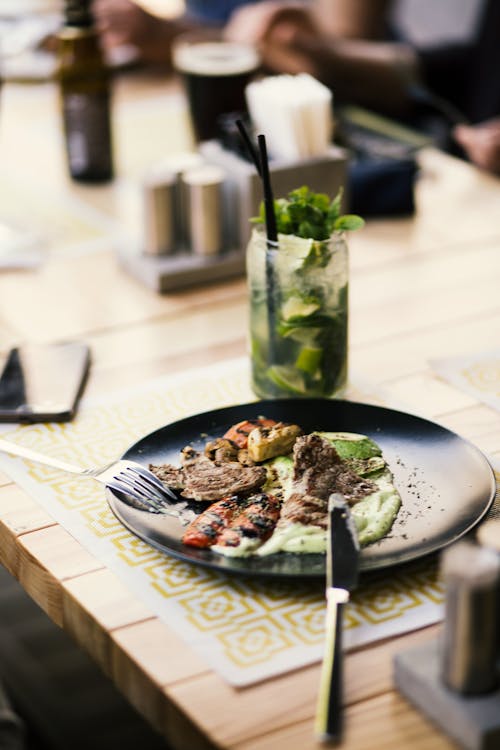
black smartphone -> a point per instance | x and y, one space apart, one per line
43 382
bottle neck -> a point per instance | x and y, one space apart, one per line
78 14
79 53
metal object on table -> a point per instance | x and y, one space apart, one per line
469 648
130 479
203 190
342 575
158 221
453 678
177 165
488 535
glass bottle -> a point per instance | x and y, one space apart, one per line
85 90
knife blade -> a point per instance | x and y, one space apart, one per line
342 558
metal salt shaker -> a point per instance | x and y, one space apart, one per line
158 195
469 647
488 535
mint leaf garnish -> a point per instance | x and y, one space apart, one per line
310 215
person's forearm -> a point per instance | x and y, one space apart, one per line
372 74
353 19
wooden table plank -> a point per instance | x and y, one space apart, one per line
368 673
386 722
385 358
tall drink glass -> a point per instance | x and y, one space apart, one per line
298 315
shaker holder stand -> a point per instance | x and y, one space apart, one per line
242 194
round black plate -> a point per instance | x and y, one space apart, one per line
446 484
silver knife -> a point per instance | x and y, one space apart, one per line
342 558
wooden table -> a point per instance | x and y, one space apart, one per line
421 287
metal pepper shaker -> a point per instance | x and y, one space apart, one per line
178 164
203 188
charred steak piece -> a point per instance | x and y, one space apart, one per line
319 471
202 479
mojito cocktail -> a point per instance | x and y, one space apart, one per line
298 291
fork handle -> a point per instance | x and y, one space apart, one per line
19 450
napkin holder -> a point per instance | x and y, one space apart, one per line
242 194
323 174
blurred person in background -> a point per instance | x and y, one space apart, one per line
358 48
125 22
361 50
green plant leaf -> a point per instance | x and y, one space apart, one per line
310 215
348 223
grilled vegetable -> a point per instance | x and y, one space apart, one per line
238 433
268 442
203 531
279 475
352 445
253 525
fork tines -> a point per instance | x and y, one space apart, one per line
149 489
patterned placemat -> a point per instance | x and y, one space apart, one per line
476 374
246 630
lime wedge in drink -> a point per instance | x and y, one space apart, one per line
309 359
293 253
296 308
296 247
302 334
287 378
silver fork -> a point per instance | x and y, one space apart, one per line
127 477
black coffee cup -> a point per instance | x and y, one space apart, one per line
215 73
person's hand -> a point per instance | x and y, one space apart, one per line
481 143
123 22
284 33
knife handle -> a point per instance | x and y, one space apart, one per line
329 708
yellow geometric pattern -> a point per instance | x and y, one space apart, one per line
484 375
247 629
255 642
393 597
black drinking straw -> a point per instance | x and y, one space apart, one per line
271 231
271 247
252 151
261 163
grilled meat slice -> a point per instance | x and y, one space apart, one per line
170 475
203 479
203 531
206 480
256 520
319 471
305 509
